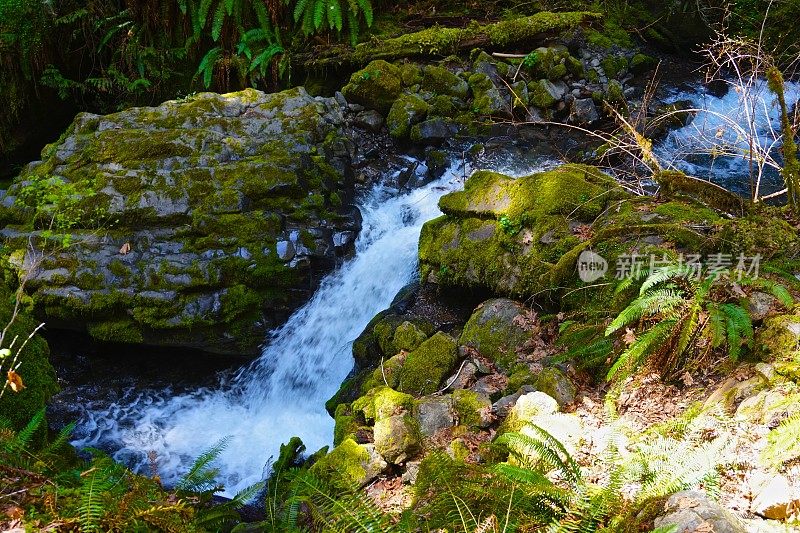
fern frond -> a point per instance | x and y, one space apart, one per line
783 442
201 477
632 358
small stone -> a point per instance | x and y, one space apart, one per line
369 120
397 438
760 305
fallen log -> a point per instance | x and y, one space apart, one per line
440 42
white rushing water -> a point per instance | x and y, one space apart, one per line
723 126
283 393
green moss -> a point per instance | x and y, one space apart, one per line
382 402
346 424
411 74
376 86
408 337
518 378
641 63
426 366
407 110
441 106
557 72
122 331
675 183
539 96
555 384
441 81
345 463
470 407
778 339
614 65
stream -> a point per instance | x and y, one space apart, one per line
282 393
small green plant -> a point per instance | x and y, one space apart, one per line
681 318
531 60
509 226
60 206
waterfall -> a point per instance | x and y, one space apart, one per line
281 394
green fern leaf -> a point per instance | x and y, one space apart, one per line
366 9
632 358
217 23
319 13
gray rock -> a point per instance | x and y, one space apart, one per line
689 510
556 89
583 112
433 131
760 305
434 413
369 120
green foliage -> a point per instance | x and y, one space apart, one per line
102 495
681 317
783 442
316 16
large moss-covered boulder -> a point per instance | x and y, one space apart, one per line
496 330
200 223
426 367
439 80
376 86
507 234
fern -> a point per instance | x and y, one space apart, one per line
542 449
97 482
783 442
201 477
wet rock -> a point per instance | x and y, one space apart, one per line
406 111
370 120
583 112
690 511
432 131
212 209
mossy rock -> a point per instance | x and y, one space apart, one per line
426 367
407 110
212 210
349 464
539 95
494 331
486 97
614 65
440 81
383 402
408 336
642 63
778 339
557 385
397 438
473 409
675 183
346 425
376 86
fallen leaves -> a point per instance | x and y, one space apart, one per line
125 249
14 381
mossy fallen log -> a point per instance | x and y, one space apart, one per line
439 41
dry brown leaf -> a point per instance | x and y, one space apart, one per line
629 337
125 249
15 381
687 379
705 527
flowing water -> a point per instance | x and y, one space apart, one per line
282 394
724 126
